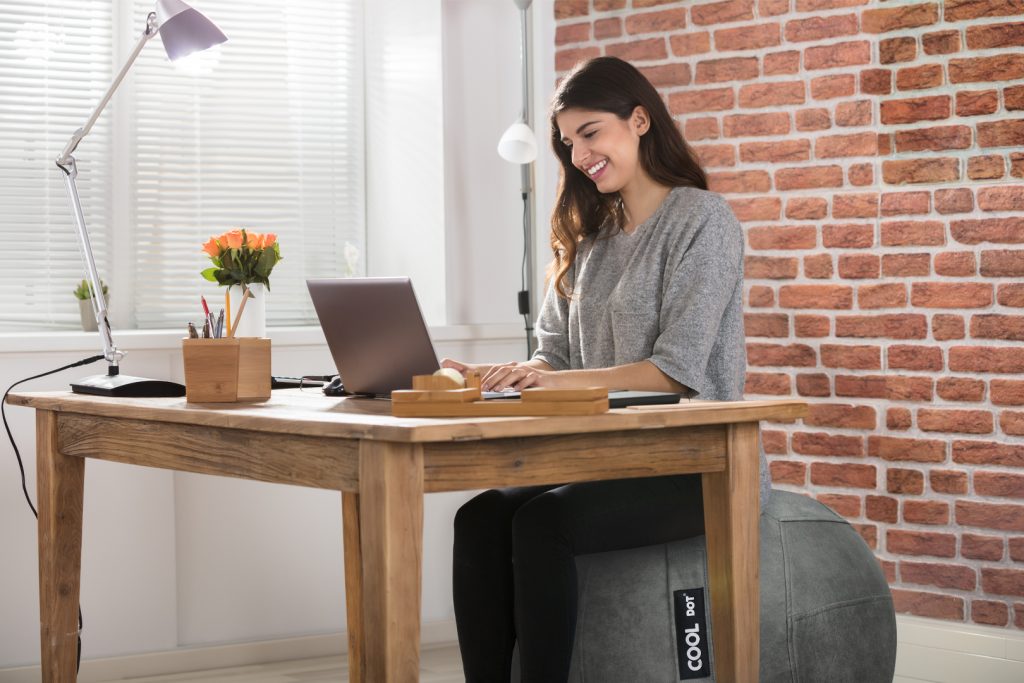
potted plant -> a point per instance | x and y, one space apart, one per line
242 261
83 292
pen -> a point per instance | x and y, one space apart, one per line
219 327
206 330
206 312
192 334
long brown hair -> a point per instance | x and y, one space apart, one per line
612 85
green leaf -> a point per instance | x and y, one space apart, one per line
211 274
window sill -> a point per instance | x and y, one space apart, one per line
140 340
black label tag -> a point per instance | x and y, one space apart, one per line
691 634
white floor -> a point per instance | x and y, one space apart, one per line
438 664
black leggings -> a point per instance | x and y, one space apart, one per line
539 531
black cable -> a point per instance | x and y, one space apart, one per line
21 466
524 292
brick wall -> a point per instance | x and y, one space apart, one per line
874 152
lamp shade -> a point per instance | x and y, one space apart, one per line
185 30
518 144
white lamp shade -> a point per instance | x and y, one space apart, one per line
185 30
518 144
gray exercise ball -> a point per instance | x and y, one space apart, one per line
826 611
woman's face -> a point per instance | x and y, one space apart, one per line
604 147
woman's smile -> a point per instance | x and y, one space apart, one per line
595 171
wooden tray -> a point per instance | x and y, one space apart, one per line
436 396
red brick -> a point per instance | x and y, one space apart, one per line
859 266
850 236
759 296
960 389
976 102
715 99
772 94
941 42
770 384
739 181
667 75
808 177
905 203
913 233
1002 263
818 266
898 419
935 138
899 480
974 547
784 472
701 129
641 50
946 327
831 87
998 230
862 205
821 443
766 324
821 28
1017 549
891 387
770 267
774 441
999 484
1018 615
892 295
959 10
915 109
1013 98
571 8
894 50
813 384
995 35
816 5
781 355
861 175
779 63
728 69
931 170
931 543
995 326
906 265
913 450
806 208
956 264
853 113
752 125
1007 392
812 119
815 296
939 575
755 37
686 44
756 208
959 200
956 421
894 326
608 5
919 77
1004 67
1001 133
906 357
811 325
990 516
951 294
608 28
925 512
990 612
1016 164
842 504
722 12
1011 295
656 22
855 145
1002 581
716 156
868 532
895 18
1012 422
876 81
637 4
1002 198
986 359
568 58
572 33
783 237
775 152
881 509
843 476
931 605
771 8
837 55
852 357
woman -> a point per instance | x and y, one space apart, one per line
646 294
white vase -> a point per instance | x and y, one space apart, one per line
88 315
254 316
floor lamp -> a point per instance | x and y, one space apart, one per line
183 30
518 145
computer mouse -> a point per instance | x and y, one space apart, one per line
335 387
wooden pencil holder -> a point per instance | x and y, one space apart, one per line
226 370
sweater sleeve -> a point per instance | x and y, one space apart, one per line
552 330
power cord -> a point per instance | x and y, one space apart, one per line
21 467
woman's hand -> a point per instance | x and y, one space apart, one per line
466 368
516 377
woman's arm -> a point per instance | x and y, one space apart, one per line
642 376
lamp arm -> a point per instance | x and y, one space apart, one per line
150 31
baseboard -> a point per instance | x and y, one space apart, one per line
185 659
953 652
929 651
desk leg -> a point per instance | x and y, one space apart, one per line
60 484
353 586
731 517
391 534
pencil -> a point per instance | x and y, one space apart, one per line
227 309
241 308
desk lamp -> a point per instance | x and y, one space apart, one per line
183 31
518 145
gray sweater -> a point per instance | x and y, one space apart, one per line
671 293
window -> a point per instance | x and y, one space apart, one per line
264 132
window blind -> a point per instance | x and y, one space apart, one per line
55 64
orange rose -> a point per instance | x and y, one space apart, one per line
269 239
212 248
233 239
253 240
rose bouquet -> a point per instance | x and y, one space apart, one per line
241 257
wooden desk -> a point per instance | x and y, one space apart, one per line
383 465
